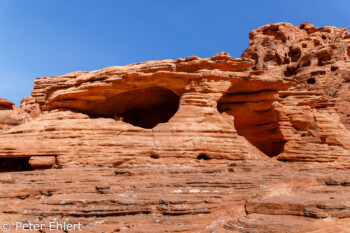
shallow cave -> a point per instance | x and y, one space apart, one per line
202 157
146 107
311 81
14 164
260 128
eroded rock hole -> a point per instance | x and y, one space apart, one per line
255 120
324 60
295 54
144 108
14 164
311 81
154 156
306 63
274 31
319 72
316 42
202 157
291 70
334 68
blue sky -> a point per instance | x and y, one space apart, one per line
54 37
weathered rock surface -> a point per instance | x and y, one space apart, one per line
313 113
253 144
11 115
162 108
182 195
8 115
5 104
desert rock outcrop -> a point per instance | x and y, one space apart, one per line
259 143
160 108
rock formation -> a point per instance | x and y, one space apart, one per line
259 143
313 111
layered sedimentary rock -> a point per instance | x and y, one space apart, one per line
11 115
287 96
161 108
5 111
182 195
259 143
313 113
5 104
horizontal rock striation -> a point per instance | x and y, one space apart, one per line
165 194
313 113
256 144
159 108
11 115
286 97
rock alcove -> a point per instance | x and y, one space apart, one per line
144 107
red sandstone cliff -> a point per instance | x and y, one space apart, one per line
253 144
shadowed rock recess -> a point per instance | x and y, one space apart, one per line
255 144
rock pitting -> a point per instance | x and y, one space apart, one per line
259 143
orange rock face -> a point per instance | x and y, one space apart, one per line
313 113
259 143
